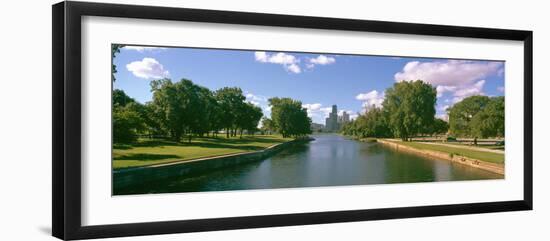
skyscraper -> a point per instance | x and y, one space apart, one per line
331 122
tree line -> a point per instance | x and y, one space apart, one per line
408 110
184 110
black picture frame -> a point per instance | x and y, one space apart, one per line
66 127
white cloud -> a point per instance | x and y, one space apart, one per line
289 62
142 49
372 98
148 68
250 96
294 68
461 78
448 73
322 60
475 89
260 56
312 107
441 89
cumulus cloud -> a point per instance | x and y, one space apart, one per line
142 49
257 100
250 96
312 107
441 89
148 68
370 99
475 89
289 62
294 68
461 78
322 60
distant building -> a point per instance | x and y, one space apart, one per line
331 122
334 122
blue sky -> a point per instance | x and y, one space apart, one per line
352 82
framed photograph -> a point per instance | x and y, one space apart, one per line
171 120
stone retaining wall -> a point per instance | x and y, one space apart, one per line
488 166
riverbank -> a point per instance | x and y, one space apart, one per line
489 161
149 152
136 176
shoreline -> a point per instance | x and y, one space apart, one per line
484 165
128 177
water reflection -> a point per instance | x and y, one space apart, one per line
330 160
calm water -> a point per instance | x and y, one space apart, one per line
330 160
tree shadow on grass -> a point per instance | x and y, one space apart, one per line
223 145
145 157
244 140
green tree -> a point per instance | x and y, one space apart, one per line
231 101
409 107
462 113
438 127
489 122
127 123
248 118
373 123
173 105
267 126
289 118
120 98
128 117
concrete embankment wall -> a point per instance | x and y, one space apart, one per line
129 177
488 166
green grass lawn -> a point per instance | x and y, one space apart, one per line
492 147
475 154
149 152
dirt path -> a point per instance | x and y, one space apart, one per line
465 147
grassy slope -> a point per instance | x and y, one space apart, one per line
150 152
480 155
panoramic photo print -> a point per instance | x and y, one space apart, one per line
198 119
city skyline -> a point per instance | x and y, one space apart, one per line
351 82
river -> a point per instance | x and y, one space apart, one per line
329 160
